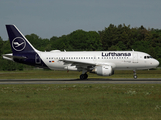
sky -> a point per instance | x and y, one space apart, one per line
48 18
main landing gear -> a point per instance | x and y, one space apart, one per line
83 76
135 76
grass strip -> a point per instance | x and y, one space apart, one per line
80 101
75 74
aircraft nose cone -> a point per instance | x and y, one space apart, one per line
156 63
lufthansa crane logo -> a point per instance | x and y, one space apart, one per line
18 44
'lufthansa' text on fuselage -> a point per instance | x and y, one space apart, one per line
115 54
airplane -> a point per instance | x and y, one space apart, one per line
103 63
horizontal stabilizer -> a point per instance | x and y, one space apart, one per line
11 57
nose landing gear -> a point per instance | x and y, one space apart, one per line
134 73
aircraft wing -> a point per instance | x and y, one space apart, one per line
79 65
77 62
85 65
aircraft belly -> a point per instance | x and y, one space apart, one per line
129 66
54 65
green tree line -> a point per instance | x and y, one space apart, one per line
111 38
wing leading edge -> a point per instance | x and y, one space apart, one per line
89 66
79 64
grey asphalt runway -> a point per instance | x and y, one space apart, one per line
88 81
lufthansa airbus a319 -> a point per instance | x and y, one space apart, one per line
102 63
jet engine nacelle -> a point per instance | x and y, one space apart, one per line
104 70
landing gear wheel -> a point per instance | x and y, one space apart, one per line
135 76
83 76
86 76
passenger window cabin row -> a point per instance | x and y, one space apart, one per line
68 58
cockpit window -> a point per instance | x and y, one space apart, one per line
147 57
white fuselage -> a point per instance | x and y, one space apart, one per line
119 60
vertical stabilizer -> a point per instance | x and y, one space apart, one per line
18 41
23 51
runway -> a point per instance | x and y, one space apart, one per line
88 81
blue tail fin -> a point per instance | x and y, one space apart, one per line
18 41
23 51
